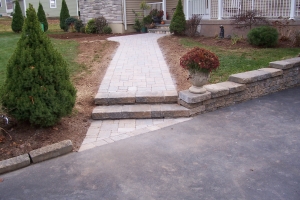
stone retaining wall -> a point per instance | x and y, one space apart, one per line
244 86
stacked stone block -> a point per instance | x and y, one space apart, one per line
244 86
110 9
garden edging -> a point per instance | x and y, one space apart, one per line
243 86
35 156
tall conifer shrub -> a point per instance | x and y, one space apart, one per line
42 16
37 88
18 19
178 22
64 14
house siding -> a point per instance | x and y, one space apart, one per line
54 12
170 5
134 5
3 7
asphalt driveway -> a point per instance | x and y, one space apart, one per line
246 151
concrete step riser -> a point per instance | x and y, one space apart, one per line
159 31
139 112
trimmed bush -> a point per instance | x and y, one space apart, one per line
18 19
91 26
37 89
70 23
64 14
264 36
107 30
178 22
78 25
42 17
100 23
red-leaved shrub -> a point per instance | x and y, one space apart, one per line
199 59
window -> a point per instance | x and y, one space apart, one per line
0 4
52 3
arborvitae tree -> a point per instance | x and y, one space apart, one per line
18 19
64 14
42 16
178 22
37 88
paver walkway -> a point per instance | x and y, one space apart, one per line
138 67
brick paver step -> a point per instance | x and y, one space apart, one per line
140 111
114 98
160 31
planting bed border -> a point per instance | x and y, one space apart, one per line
243 86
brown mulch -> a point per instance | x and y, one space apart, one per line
95 53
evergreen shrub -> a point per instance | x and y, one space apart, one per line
37 88
42 17
91 26
64 14
265 36
178 22
70 23
107 30
78 25
18 19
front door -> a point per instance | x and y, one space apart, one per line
198 7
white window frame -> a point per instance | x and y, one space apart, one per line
51 5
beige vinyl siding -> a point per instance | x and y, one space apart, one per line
3 7
54 12
170 5
134 5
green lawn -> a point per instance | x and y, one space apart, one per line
240 60
8 41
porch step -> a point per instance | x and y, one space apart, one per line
159 31
142 111
115 98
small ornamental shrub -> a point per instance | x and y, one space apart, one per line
82 29
199 59
137 25
178 21
18 19
78 25
192 25
283 27
107 30
64 14
37 88
147 21
248 19
42 17
70 23
100 23
91 26
264 36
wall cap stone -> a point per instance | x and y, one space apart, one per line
232 86
250 76
274 72
189 97
217 90
286 64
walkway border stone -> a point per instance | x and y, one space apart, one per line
37 155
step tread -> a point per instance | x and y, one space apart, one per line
112 98
139 111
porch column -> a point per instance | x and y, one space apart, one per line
186 6
164 7
293 9
220 8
